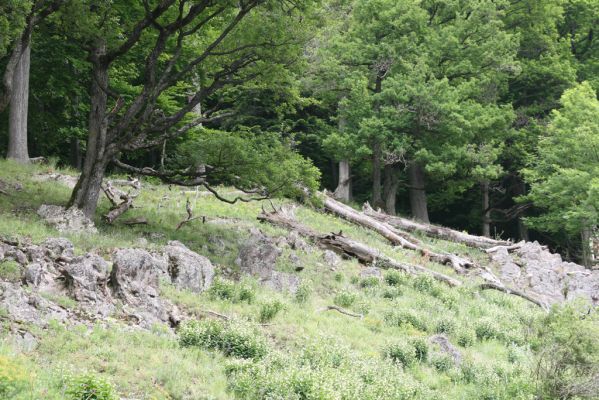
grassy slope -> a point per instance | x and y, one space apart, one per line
153 365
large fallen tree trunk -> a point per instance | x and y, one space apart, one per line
351 248
396 237
515 292
438 232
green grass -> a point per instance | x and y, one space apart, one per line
310 353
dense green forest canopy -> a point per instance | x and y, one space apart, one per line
477 114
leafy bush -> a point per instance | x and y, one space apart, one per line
232 339
401 318
13 378
466 337
392 293
345 299
90 387
269 310
487 329
442 362
226 290
246 293
401 353
395 278
371 281
445 325
426 284
421 349
303 293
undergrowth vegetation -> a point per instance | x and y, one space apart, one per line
245 341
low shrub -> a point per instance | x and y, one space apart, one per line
10 271
441 362
401 318
487 329
345 299
371 281
233 339
303 293
13 378
401 353
466 337
392 293
90 387
235 292
269 310
395 278
445 325
420 349
426 284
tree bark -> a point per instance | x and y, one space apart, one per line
522 228
438 232
417 192
586 244
19 104
390 185
343 191
486 212
377 199
351 248
86 192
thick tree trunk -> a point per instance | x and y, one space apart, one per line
377 199
86 192
417 192
19 104
486 212
390 185
438 232
343 191
351 248
396 237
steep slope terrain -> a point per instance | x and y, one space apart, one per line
225 306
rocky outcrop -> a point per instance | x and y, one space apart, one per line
66 219
445 347
533 268
50 272
188 270
258 258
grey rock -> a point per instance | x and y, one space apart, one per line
187 269
446 347
282 282
66 220
58 247
258 257
22 306
331 258
296 242
86 280
27 342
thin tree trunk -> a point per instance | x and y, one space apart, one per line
522 228
390 185
19 104
86 192
417 192
486 212
343 191
377 199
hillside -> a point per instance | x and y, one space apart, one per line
317 326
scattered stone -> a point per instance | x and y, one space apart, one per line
296 242
66 220
446 347
371 272
331 258
66 180
188 270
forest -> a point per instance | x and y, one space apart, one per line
481 115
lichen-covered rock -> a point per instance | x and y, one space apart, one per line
331 258
446 347
282 282
66 219
25 307
187 269
58 247
134 280
371 272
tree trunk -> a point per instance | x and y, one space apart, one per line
343 191
417 192
486 212
438 232
522 228
377 199
19 104
390 185
86 192
76 156
586 244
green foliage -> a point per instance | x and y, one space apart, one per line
233 339
302 295
395 278
269 310
420 349
441 362
486 329
567 353
466 337
401 353
13 377
371 281
400 318
345 299
445 325
392 293
235 292
427 284
90 387
10 270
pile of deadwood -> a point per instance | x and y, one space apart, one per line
399 232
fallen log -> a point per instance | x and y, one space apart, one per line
342 311
121 201
350 248
439 232
135 221
396 237
515 292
